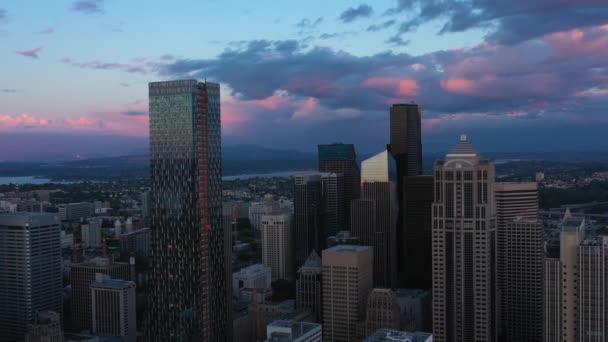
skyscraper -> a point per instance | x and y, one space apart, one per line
417 267
342 159
347 282
82 276
373 222
308 285
317 209
308 217
406 148
188 298
592 320
373 217
519 248
382 311
463 247
277 244
572 234
45 328
552 300
113 308
521 296
30 271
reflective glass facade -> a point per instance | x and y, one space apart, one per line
188 301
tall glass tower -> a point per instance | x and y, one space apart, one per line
188 300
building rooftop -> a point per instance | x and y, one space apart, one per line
313 260
463 148
337 151
27 218
254 269
388 335
117 284
285 331
348 248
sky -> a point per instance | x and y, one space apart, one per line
514 74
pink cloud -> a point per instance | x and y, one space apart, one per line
307 109
580 42
503 86
274 102
33 53
397 87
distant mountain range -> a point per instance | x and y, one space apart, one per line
237 160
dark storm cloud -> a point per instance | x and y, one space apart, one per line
354 13
509 21
88 6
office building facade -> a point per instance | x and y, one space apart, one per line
382 311
188 295
30 269
46 327
347 282
463 247
277 242
416 251
405 147
309 285
521 296
113 308
81 277
75 211
342 159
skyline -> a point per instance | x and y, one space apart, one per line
292 73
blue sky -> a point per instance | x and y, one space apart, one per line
292 72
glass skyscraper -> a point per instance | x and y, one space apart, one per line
188 300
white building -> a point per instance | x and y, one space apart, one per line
277 240
258 276
291 331
113 307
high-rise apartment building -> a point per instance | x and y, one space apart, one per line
382 311
113 308
342 159
317 211
30 271
552 329
519 250
463 247
521 296
406 149
347 282
592 324
308 285
188 298
45 328
416 244
277 245
81 277
572 234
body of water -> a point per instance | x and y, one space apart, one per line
32 180
42 180
266 175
